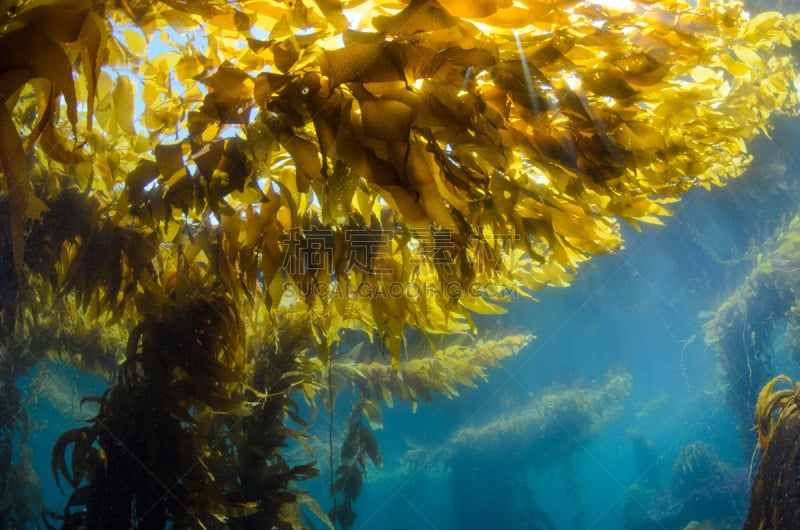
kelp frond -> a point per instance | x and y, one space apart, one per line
359 444
740 329
775 496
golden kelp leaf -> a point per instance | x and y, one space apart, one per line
181 22
420 169
640 136
352 37
512 17
189 67
748 56
641 69
372 411
474 8
332 9
134 40
479 305
768 401
232 20
124 96
417 16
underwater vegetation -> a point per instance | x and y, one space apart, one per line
488 464
538 430
52 384
740 329
211 203
20 491
774 497
702 488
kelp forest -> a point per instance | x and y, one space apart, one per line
235 213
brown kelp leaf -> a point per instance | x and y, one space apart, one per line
169 158
231 97
608 82
139 178
339 189
365 63
306 157
379 63
53 146
61 23
285 55
17 187
29 49
92 40
385 119
74 23
369 444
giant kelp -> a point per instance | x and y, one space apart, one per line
371 166
740 329
552 425
774 497
501 451
181 363
547 428
425 370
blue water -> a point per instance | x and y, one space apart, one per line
639 310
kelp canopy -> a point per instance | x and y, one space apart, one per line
303 150
199 197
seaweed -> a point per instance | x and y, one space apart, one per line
359 444
20 498
142 458
251 468
740 329
537 429
774 496
440 164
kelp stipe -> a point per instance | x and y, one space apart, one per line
775 496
